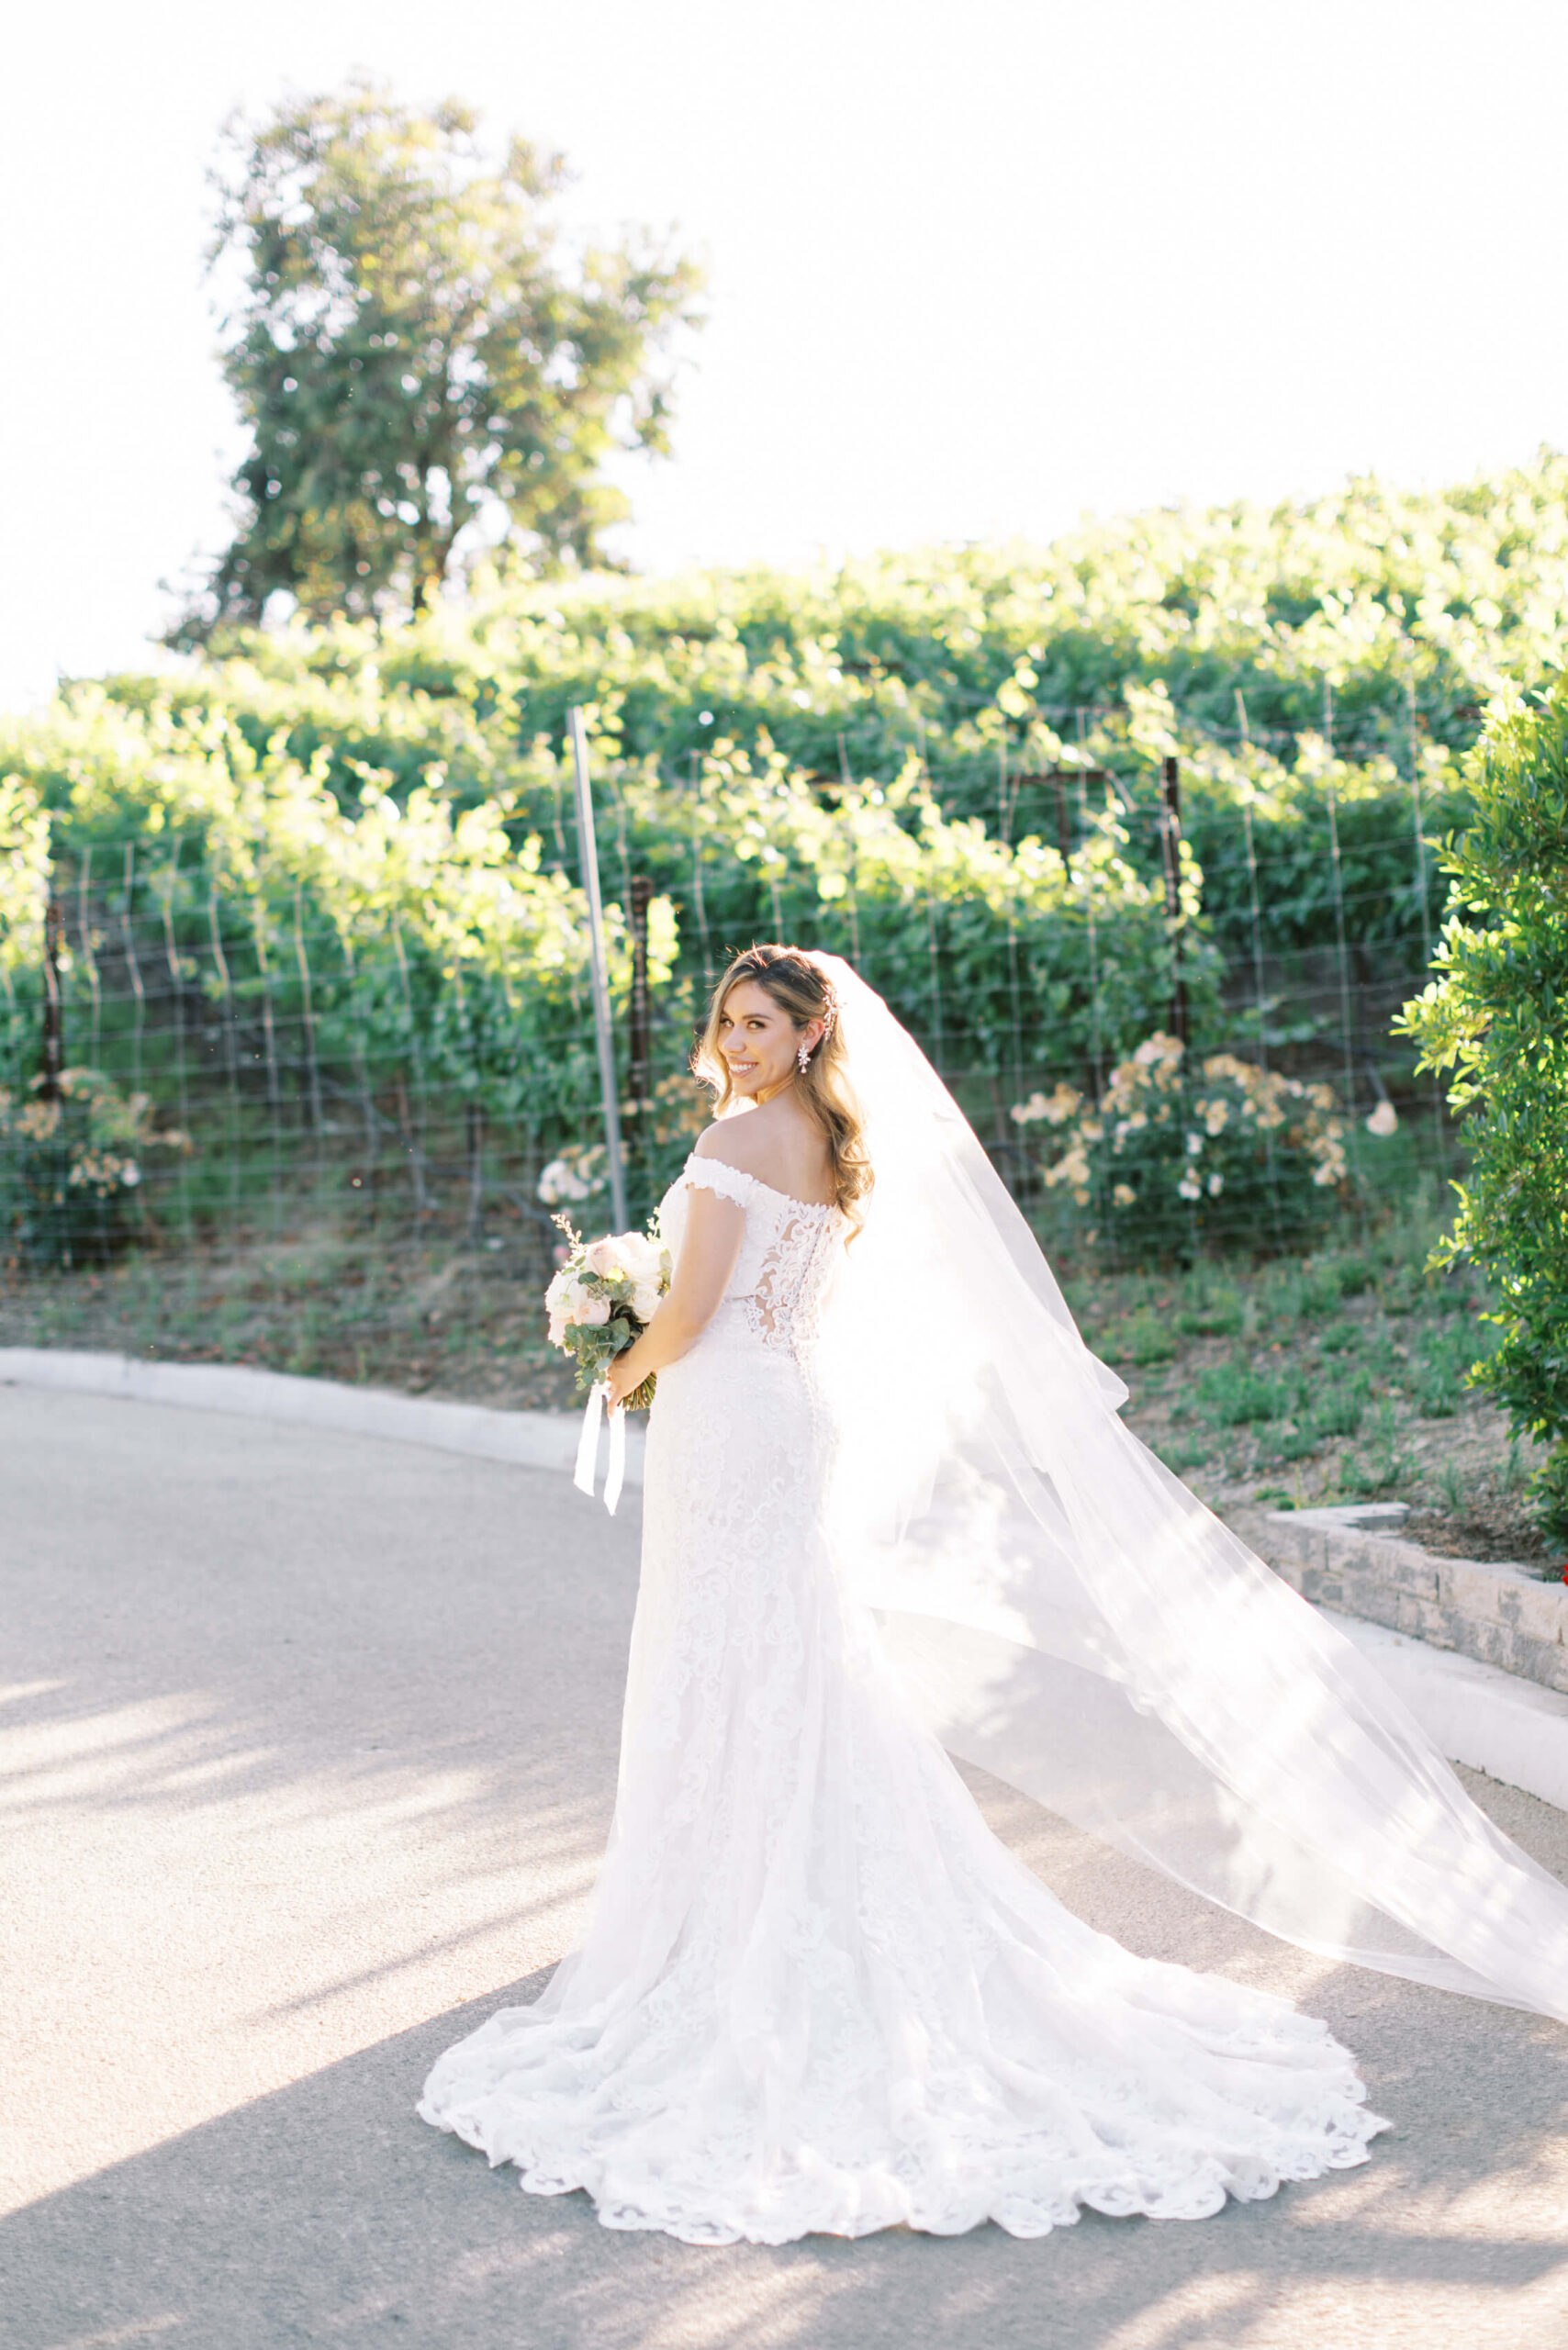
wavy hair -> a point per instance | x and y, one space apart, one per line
799 990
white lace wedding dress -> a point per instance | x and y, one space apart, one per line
816 1993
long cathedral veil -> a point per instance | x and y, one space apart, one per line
1076 1621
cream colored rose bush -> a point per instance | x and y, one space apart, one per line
71 1162
1180 1154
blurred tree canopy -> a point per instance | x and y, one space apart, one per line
412 349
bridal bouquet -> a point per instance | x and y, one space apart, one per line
603 1298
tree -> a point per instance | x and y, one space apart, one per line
1494 1017
412 349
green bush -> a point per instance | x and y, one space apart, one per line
1339 1409
1496 1017
1235 1397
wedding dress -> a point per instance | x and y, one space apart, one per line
886 1494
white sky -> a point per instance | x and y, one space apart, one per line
974 269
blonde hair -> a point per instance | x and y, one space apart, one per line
788 975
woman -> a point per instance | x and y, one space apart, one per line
816 1993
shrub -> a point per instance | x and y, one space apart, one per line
1174 1158
70 1167
1494 1017
1144 1338
1338 1410
1236 1397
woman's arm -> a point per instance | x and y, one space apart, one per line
714 1229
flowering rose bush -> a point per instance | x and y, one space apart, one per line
1176 1155
577 1175
71 1165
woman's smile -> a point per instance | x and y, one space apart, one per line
759 1042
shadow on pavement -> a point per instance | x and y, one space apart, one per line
328 2213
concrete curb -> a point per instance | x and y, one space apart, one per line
531 1439
1354 1559
1491 1721
1481 1676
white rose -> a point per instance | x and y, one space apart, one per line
594 1312
646 1300
604 1257
573 1301
641 1256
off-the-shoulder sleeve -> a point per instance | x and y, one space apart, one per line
718 1175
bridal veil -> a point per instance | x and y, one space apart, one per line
1076 1621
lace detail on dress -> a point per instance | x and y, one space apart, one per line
718 1175
787 1258
783 1308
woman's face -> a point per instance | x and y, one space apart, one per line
759 1041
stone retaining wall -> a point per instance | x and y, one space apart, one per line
1353 1559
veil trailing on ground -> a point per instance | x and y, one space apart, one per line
1076 1621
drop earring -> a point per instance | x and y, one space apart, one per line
804 1058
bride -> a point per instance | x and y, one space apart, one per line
889 1507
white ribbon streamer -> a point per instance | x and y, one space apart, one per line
588 1449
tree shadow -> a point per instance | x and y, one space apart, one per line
329 2213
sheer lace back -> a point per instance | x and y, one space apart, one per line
787 1260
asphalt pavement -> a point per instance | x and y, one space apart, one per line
307 1755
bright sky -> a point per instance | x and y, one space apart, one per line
974 269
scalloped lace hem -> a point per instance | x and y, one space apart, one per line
946 2192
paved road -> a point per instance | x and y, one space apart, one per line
307 1748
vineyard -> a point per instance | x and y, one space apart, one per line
298 932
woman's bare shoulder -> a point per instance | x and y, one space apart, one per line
789 1156
723 1140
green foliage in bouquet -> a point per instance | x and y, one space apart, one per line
1496 1019
1177 1155
70 1167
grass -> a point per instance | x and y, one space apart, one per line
1335 1377
435 1319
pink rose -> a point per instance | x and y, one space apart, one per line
593 1312
603 1258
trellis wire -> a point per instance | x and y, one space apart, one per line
1346 1025
609 1085
1259 992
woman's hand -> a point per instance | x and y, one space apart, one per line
620 1378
